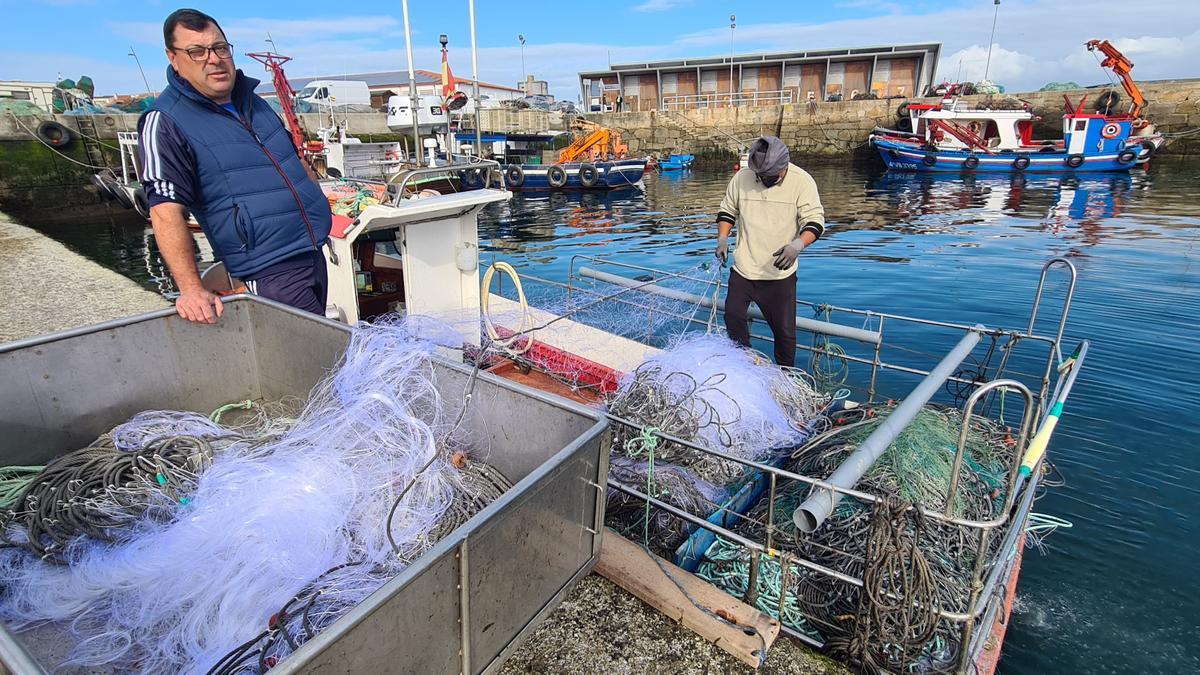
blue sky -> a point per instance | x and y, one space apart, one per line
1037 41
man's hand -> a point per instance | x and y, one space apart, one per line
722 251
200 305
786 256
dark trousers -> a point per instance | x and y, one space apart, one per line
303 285
777 301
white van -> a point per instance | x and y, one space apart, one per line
335 92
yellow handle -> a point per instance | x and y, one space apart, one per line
1038 447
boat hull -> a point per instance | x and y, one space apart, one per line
617 174
908 156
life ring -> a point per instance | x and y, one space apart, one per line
1021 163
110 121
54 134
101 188
1127 157
929 159
1074 161
1147 150
970 162
140 204
1111 130
589 175
556 176
514 175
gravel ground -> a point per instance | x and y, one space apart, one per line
48 287
599 628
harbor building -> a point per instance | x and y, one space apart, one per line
762 79
384 85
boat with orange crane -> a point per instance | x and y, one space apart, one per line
952 136
596 159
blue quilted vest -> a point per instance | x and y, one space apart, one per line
256 204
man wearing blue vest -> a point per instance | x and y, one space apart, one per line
209 145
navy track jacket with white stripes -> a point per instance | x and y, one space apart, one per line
238 174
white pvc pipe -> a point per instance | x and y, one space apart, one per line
821 502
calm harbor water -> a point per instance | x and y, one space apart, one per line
1116 593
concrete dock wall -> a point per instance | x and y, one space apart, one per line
831 129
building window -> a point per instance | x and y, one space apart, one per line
708 82
749 79
670 83
791 76
632 85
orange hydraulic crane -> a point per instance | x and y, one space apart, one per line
1116 61
593 142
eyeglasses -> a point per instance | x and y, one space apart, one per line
223 50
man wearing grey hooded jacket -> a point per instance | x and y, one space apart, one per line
775 207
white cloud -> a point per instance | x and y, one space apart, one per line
970 64
1038 44
660 5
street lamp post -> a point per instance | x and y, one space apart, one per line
524 86
139 65
732 25
991 41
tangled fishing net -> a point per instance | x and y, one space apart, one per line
712 393
298 519
915 469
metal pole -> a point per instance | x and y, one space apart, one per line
414 101
445 107
821 502
475 86
991 40
732 25
524 87
139 65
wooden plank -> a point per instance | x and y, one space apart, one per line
632 568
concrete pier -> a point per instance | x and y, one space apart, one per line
48 287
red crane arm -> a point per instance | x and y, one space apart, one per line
1116 61
283 91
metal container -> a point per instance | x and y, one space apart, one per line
464 606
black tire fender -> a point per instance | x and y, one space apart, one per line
970 162
514 175
54 134
556 176
1074 161
140 203
589 175
1021 163
929 159
1127 156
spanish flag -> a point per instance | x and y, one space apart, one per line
448 83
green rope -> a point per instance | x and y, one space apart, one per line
14 480
215 417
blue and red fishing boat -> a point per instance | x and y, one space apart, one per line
953 136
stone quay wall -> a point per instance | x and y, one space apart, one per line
841 128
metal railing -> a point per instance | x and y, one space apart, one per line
993 541
728 99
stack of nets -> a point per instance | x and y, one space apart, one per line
176 538
915 469
712 393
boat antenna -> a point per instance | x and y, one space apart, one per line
475 84
271 41
991 41
414 101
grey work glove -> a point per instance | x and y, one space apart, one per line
785 257
722 252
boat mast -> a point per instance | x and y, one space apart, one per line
412 86
475 85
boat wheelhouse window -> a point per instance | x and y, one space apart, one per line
1080 125
307 92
